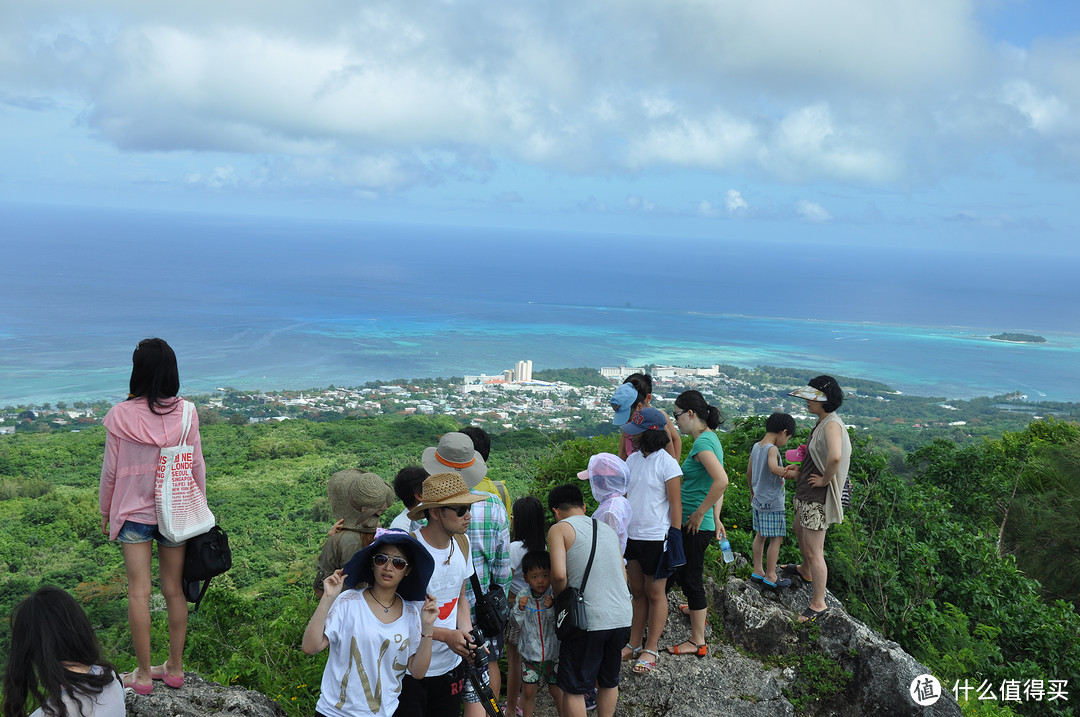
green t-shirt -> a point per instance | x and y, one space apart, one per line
696 480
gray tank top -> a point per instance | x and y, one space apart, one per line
607 599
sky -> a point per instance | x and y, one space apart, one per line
936 123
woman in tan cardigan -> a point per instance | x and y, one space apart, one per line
819 485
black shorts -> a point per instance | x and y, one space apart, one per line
438 696
592 660
646 552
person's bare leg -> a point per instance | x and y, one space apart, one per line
697 626
513 679
495 677
528 698
759 544
557 697
772 555
801 537
658 608
574 705
819 571
137 566
171 567
606 698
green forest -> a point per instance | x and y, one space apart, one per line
968 556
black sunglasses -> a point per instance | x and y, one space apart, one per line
381 559
461 510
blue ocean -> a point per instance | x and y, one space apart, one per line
267 303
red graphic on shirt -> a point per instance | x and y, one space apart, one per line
445 610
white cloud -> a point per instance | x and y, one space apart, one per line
812 211
734 201
1044 112
639 204
364 94
706 209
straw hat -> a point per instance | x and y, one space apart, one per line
358 498
455 452
444 490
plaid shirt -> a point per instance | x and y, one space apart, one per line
489 540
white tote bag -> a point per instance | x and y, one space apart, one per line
182 511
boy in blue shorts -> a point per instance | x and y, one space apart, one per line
765 473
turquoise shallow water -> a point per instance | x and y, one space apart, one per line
260 304
947 362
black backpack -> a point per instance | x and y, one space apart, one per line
207 555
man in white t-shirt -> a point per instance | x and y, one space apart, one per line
445 502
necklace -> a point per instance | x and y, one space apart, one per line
385 608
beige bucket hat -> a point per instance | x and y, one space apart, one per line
358 498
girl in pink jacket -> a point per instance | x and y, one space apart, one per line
138 429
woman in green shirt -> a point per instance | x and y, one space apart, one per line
704 482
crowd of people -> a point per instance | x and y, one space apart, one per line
397 607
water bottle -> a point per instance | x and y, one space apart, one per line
725 547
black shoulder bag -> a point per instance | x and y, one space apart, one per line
207 555
570 619
492 610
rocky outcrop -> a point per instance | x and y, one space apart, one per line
200 698
763 663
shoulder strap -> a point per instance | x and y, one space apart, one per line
592 554
185 421
501 488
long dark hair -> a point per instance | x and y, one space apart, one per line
154 375
693 401
530 523
47 629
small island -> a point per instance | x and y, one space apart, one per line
1019 338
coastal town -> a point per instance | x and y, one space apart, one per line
571 400
509 399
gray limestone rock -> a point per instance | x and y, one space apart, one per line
200 698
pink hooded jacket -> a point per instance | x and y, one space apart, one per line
133 442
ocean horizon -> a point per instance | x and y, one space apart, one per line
270 304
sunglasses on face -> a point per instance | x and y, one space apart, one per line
675 415
399 563
461 510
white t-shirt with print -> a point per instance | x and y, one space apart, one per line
650 515
445 585
367 657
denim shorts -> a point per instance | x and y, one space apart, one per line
132 532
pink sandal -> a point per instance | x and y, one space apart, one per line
164 676
128 679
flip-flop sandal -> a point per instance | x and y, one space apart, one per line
163 675
634 652
780 583
643 666
809 615
793 569
697 651
754 577
684 609
128 680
